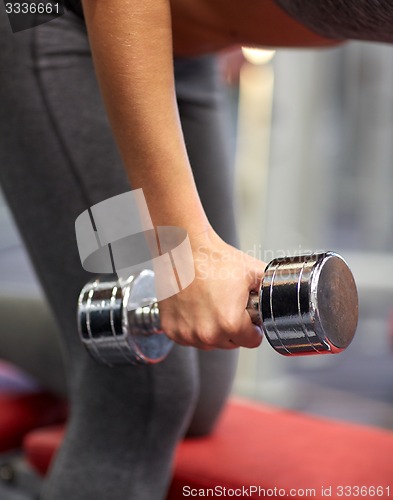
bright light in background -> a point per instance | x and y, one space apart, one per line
257 56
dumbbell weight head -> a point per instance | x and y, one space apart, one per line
305 305
308 304
118 320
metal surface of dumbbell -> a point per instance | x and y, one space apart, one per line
305 305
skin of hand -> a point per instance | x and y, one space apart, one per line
211 312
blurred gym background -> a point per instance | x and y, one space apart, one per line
313 146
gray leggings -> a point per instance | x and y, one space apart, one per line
57 158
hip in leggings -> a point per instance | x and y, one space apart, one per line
58 158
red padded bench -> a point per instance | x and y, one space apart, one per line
20 413
260 446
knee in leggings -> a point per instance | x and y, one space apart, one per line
162 395
124 427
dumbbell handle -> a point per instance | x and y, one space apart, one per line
253 308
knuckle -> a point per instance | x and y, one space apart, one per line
209 337
208 340
230 326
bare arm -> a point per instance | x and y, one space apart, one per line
132 49
131 43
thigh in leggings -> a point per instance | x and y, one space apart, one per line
57 158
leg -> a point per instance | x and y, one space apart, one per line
47 187
58 158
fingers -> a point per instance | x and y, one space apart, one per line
211 313
221 334
203 341
248 335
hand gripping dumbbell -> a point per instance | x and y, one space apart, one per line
305 305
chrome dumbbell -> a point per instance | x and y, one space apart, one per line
306 305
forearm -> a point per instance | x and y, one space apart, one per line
357 19
131 44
